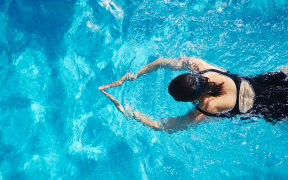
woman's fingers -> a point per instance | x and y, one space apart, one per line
103 87
104 92
128 76
116 103
129 110
131 77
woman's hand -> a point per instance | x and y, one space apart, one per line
129 111
119 82
116 103
101 88
131 77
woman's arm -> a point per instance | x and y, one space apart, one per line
182 63
159 63
171 123
175 64
146 120
116 103
118 82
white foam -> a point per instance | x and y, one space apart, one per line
112 7
39 112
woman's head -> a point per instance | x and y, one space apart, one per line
189 87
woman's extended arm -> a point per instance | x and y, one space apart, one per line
171 123
182 63
116 103
116 83
159 63
146 120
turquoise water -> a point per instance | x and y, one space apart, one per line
55 124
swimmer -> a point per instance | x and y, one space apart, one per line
218 92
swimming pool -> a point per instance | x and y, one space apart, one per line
56 124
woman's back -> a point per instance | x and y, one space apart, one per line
225 102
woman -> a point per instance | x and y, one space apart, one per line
220 93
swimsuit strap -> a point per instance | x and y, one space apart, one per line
221 114
214 70
237 81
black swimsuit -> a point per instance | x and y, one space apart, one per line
271 96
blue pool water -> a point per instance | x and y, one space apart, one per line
55 124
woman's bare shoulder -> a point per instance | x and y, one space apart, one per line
216 104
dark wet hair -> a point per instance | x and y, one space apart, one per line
188 87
